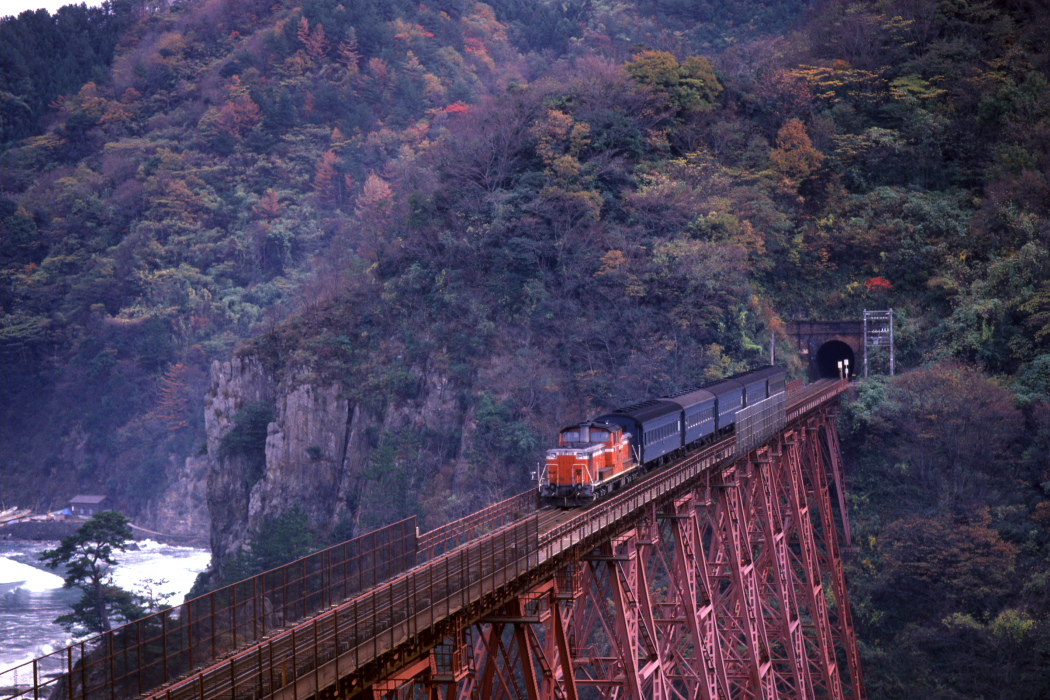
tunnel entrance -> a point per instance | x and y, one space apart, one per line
830 354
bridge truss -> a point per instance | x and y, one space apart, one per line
733 588
718 577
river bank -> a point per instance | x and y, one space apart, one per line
55 530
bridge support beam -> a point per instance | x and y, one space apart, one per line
733 590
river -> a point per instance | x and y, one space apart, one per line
27 613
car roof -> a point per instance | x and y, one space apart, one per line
691 397
766 371
645 411
724 386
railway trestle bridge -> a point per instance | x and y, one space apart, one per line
715 578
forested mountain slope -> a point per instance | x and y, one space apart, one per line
415 238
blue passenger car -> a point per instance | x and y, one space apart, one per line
729 398
698 413
776 379
656 426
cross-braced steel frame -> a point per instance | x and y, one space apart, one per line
733 590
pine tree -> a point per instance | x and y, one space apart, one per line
88 558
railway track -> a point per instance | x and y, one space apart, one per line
322 652
460 571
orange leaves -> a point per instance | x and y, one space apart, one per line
785 94
375 210
268 206
794 157
326 179
379 70
349 56
376 198
560 135
238 116
612 262
173 401
409 32
172 199
474 45
315 41
841 83
87 102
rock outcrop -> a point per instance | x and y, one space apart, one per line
182 510
306 450
318 447
235 384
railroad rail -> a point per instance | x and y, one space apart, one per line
433 586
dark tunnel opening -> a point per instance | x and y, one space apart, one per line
830 354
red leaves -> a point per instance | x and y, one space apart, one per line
878 284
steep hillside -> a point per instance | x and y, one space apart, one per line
225 172
327 265
179 204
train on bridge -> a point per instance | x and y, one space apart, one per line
597 457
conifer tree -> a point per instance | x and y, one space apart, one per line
88 556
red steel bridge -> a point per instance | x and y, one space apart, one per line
715 578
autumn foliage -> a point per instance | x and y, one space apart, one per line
540 210
794 158
878 284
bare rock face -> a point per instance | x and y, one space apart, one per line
318 447
305 455
182 509
235 384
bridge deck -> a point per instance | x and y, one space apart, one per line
466 574
382 628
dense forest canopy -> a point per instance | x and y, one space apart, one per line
555 207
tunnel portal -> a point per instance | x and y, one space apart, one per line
830 354
822 344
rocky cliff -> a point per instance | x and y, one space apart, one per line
182 509
319 448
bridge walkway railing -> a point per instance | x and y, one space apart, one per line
162 647
322 658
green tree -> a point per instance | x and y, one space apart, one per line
691 86
278 540
88 556
283 539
